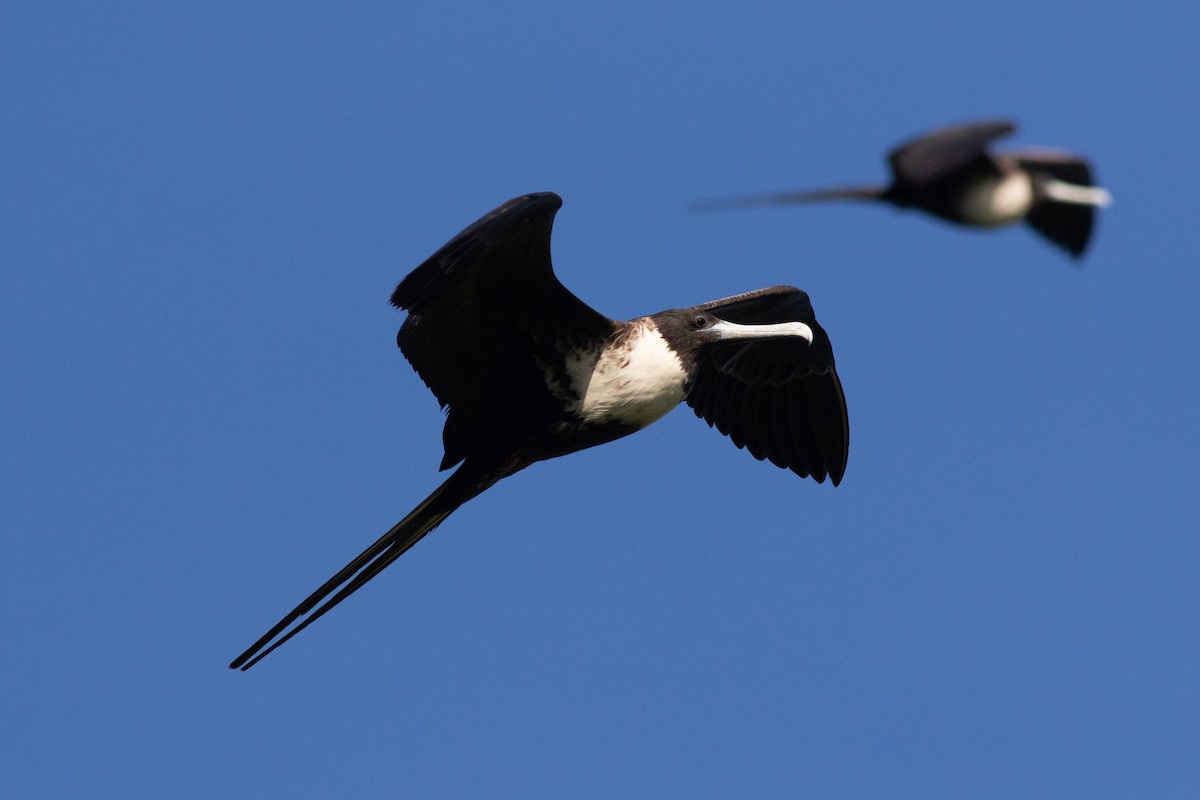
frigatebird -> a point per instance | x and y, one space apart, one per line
950 173
527 371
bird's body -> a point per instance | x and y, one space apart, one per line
633 379
990 201
950 174
528 372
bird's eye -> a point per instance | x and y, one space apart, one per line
700 322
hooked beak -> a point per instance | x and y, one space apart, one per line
733 330
1065 192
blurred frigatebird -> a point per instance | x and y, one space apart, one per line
950 173
529 372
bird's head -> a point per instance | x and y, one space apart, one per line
688 330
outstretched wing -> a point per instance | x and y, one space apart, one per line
931 156
1069 225
781 399
469 307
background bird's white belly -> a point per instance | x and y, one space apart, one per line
634 382
999 201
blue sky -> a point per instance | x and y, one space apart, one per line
203 211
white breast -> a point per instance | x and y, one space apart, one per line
998 201
633 381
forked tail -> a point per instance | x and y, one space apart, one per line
790 198
460 487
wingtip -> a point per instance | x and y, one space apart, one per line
498 223
534 200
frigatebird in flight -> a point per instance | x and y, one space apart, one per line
950 173
528 372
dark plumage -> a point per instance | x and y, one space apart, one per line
949 173
527 371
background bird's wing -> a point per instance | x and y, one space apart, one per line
931 156
488 301
781 399
1069 225
1065 166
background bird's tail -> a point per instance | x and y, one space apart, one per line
460 487
790 198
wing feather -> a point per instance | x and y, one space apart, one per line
926 158
780 399
803 436
781 423
763 415
736 416
470 307
1068 225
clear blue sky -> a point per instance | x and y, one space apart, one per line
203 413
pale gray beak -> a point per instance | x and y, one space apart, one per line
733 330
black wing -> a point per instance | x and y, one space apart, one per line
781 399
932 156
1069 225
470 307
